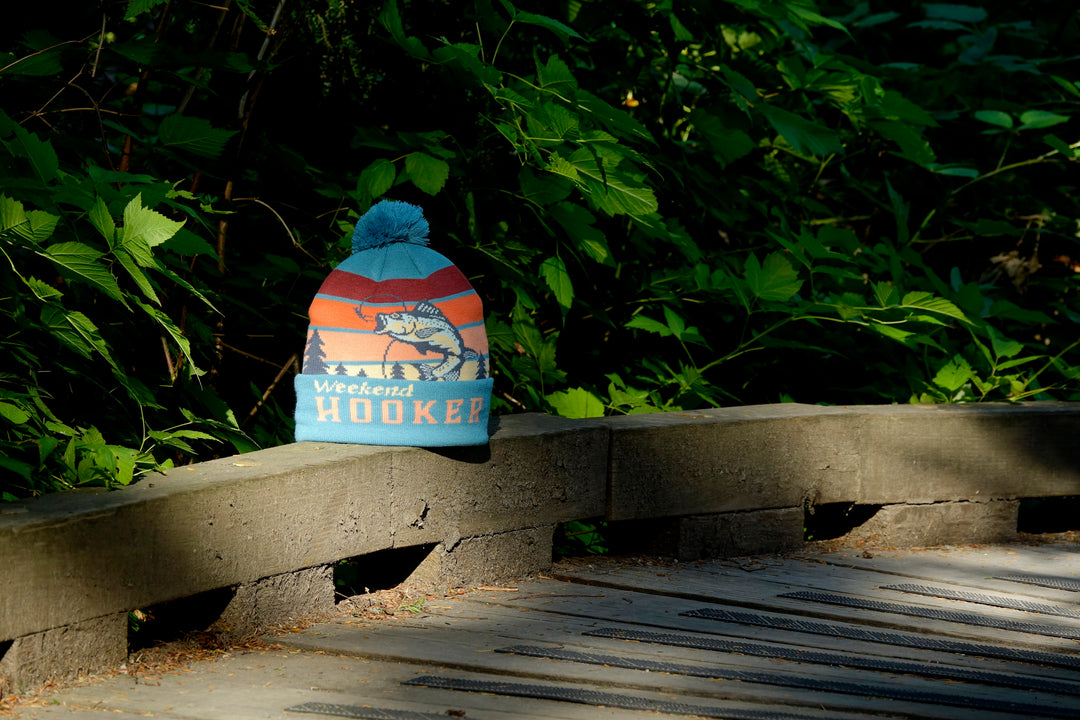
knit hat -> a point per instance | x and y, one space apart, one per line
396 351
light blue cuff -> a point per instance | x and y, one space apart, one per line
375 411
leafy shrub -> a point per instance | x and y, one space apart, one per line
687 207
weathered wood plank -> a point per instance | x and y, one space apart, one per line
461 646
650 610
238 688
467 652
975 567
766 594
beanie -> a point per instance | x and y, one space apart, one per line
396 350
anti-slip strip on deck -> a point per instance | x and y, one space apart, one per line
933 613
1000 601
862 689
584 696
1058 583
362 712
922 642
836 659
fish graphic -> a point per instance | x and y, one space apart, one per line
427 329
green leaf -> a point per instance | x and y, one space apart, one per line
123 461
675 323
1069 86
927 301
905 337
528 335
953 375
958 13
555 75
1009 364
39 64
739 83
806 12
40 226
805 136
35 225
561 166
78 332
42 290
140 50
193 434
545 22
377 178
886 293
1011 311
147 226
913 146
642 322
509 132
141 280
390 19
427 173
138 7
727 144
1036 119
775 280
39 152
953 169
895 106
610 190
174 332
578 224
12 214
82 262
554 120
1003 346
22 469
13 413
542 190
1060 145
185 242
102 220
194 135
613 120
939 25
553 270
576 403
995 117
466 57
681 33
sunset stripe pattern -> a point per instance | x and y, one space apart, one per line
396 352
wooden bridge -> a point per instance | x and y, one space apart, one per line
967 633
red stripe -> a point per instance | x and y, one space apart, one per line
441 283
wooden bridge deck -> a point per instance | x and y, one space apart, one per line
968 633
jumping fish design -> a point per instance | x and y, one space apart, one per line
427 329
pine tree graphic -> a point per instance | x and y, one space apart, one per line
315 356
340 369
397 372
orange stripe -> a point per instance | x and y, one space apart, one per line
365 347
337 314
332 313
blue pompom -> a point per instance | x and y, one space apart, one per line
388 222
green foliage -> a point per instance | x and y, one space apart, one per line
663 206
683 207
579 538
113 292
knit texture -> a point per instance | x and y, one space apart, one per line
396 353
